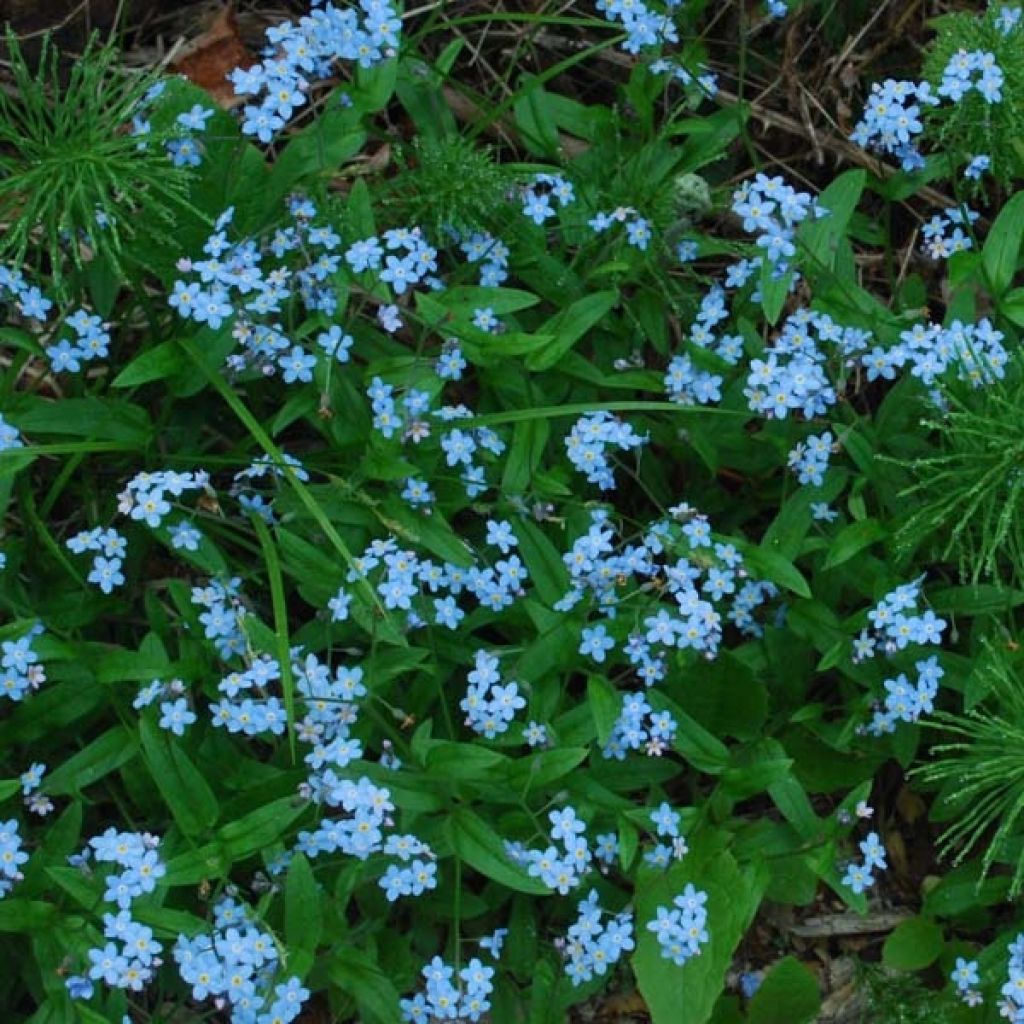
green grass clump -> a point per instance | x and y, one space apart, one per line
75 178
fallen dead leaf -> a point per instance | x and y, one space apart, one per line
209 59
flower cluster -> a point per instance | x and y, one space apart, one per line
144 498
223 616
944 236
561 869
92 341
860 876
639 727
975 351
361 834
704 81
593 945
491 253
29 301
771 211
31 779
645 27
681 929
110 547
12 856
20 669
587 443
965 976
237 965
891 120
489 704
792 375
1012 1006
256 712
906 701
895 623
468 999
538 195
130 956
300 52
809 458
638 229
666 826
974 69
10 436
186 151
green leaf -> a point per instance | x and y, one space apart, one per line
101 419
543 562
1011 305
157 363
544 767
106 753
371 989
768 565
913 945
479 846
701 748
853 539
773 291
279 604
303 914
26 915
789 994
321 147
820 238
754 768
733 899
569 325
185 790
450 760
259 828
999 255
605 705
8 787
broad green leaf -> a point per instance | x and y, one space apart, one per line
480 847
450 760
769 565
569 325
18 915
733 898
913 945
820 236
543 562
183 787
544 767
371 989
101 419
605 705
157 363
1002 247
789 994
105 754
256 830
303 914
852 539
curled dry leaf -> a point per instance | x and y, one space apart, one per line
209 59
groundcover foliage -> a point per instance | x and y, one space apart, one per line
461 586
